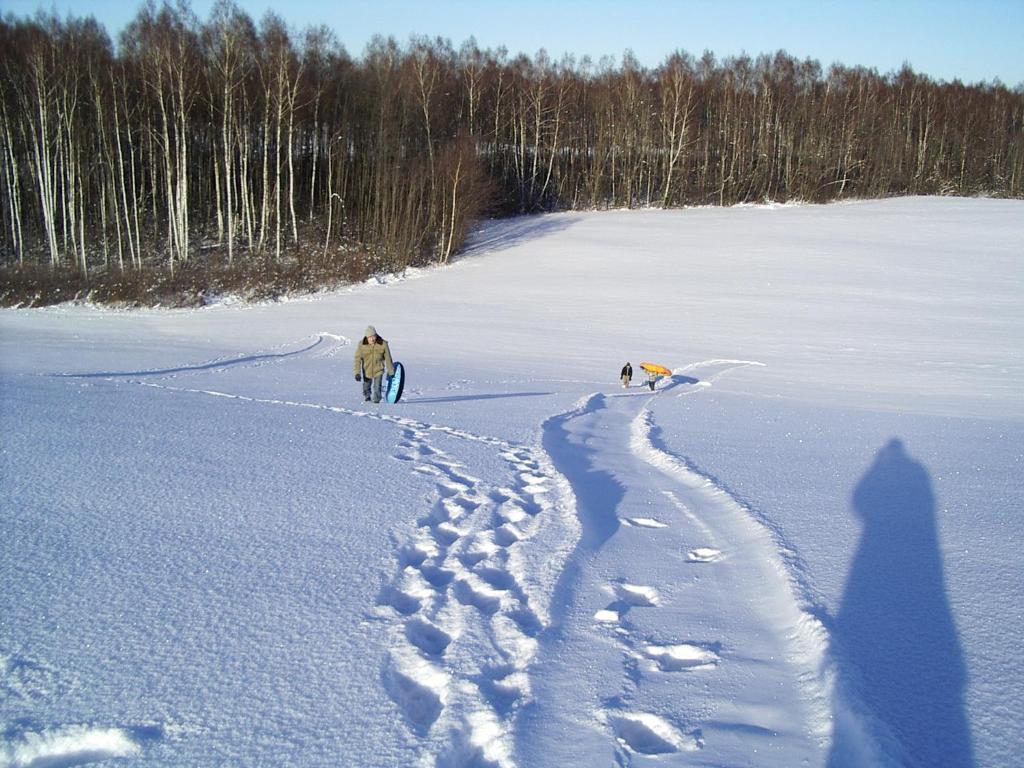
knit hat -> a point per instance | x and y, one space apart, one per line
370 331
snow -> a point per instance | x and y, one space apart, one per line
802 548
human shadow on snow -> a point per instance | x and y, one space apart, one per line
663 385
463 398
898 648
678 380
598 495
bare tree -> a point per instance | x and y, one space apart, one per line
267 142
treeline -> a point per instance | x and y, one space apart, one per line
231 142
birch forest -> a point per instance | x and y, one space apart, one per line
192 150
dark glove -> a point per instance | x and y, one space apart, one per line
358 377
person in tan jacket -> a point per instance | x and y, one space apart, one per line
373 359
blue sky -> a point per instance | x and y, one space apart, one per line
970 40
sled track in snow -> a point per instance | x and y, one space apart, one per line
706 550
723 518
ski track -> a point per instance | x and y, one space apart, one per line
468 602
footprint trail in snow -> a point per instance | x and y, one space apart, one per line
466 606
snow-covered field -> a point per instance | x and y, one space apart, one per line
802 549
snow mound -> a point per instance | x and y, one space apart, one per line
68 746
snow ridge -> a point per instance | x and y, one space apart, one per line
68 746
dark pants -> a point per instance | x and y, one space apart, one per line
376 382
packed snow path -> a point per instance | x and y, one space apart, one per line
700 645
